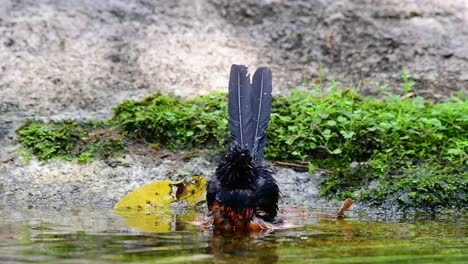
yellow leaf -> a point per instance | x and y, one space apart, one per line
163 193
193 191
147 208
153 194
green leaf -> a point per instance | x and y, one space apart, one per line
311 167
331 123
326 134
455 152
342 119
336 151
347 135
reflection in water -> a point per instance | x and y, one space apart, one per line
155 221
251 250
37 236
220 243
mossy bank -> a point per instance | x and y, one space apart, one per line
394 150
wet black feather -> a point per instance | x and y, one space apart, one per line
240 107
261 87
236 169
212 189
237 199
267 193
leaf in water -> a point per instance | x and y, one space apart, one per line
147 208
152 194
163 193
193 191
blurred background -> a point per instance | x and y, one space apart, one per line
78 59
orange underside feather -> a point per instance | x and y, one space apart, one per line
244 220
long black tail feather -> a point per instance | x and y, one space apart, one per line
262 87
240 107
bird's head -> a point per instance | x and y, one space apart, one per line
237 167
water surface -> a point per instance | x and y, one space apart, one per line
102 236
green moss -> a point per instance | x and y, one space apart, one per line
414 151
69 140
428 186
174 123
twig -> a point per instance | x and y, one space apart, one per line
296 165
329 38
287 164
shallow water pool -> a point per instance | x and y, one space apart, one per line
102 236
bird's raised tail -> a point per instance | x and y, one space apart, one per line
249 107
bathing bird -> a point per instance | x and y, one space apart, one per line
242 195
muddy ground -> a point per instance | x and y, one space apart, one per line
78 59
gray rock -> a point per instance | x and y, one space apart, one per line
61 184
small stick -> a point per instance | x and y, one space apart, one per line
329 38
408 95
288 164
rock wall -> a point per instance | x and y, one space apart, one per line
79 58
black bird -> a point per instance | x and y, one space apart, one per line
242 195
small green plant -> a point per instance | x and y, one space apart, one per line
407 84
